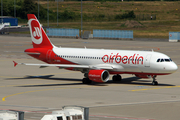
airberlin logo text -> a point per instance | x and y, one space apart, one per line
134 59
36 33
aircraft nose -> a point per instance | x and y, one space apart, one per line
173 67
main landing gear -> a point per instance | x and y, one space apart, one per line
116 78
154 82
86 81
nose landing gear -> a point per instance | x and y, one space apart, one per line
154 82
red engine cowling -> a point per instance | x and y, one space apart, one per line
143 76
98 75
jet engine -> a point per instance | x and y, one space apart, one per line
98 75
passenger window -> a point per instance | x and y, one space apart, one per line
158 60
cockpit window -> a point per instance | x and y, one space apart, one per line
164 60
167 60
158 60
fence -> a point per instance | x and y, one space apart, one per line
62 32
113 34
174 36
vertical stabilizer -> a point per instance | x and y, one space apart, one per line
38 35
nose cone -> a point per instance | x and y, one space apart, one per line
172 67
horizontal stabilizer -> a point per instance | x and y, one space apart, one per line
33 53
15 63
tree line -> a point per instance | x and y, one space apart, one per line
24 7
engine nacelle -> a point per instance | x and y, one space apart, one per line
143 76
98 75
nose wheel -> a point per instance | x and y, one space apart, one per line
154 82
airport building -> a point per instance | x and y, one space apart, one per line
8 19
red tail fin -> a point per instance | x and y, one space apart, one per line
38 35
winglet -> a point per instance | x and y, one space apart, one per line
15 63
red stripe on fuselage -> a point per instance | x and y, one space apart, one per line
139 73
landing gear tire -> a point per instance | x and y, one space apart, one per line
86 81
155 83
154 80
116 78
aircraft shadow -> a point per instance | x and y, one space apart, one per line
48 77
130 80
139 81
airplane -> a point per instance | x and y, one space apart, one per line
96 64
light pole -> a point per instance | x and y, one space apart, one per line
15 8
57 12
2 11
38 9
48 12
81 20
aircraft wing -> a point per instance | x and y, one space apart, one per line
103 66
52 65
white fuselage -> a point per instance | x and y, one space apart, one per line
122 60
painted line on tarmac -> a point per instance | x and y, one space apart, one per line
134 103
35 84
4 98
118 117
41 74
21 106
154 88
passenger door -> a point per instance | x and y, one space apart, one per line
147 60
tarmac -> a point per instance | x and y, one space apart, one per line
39 91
